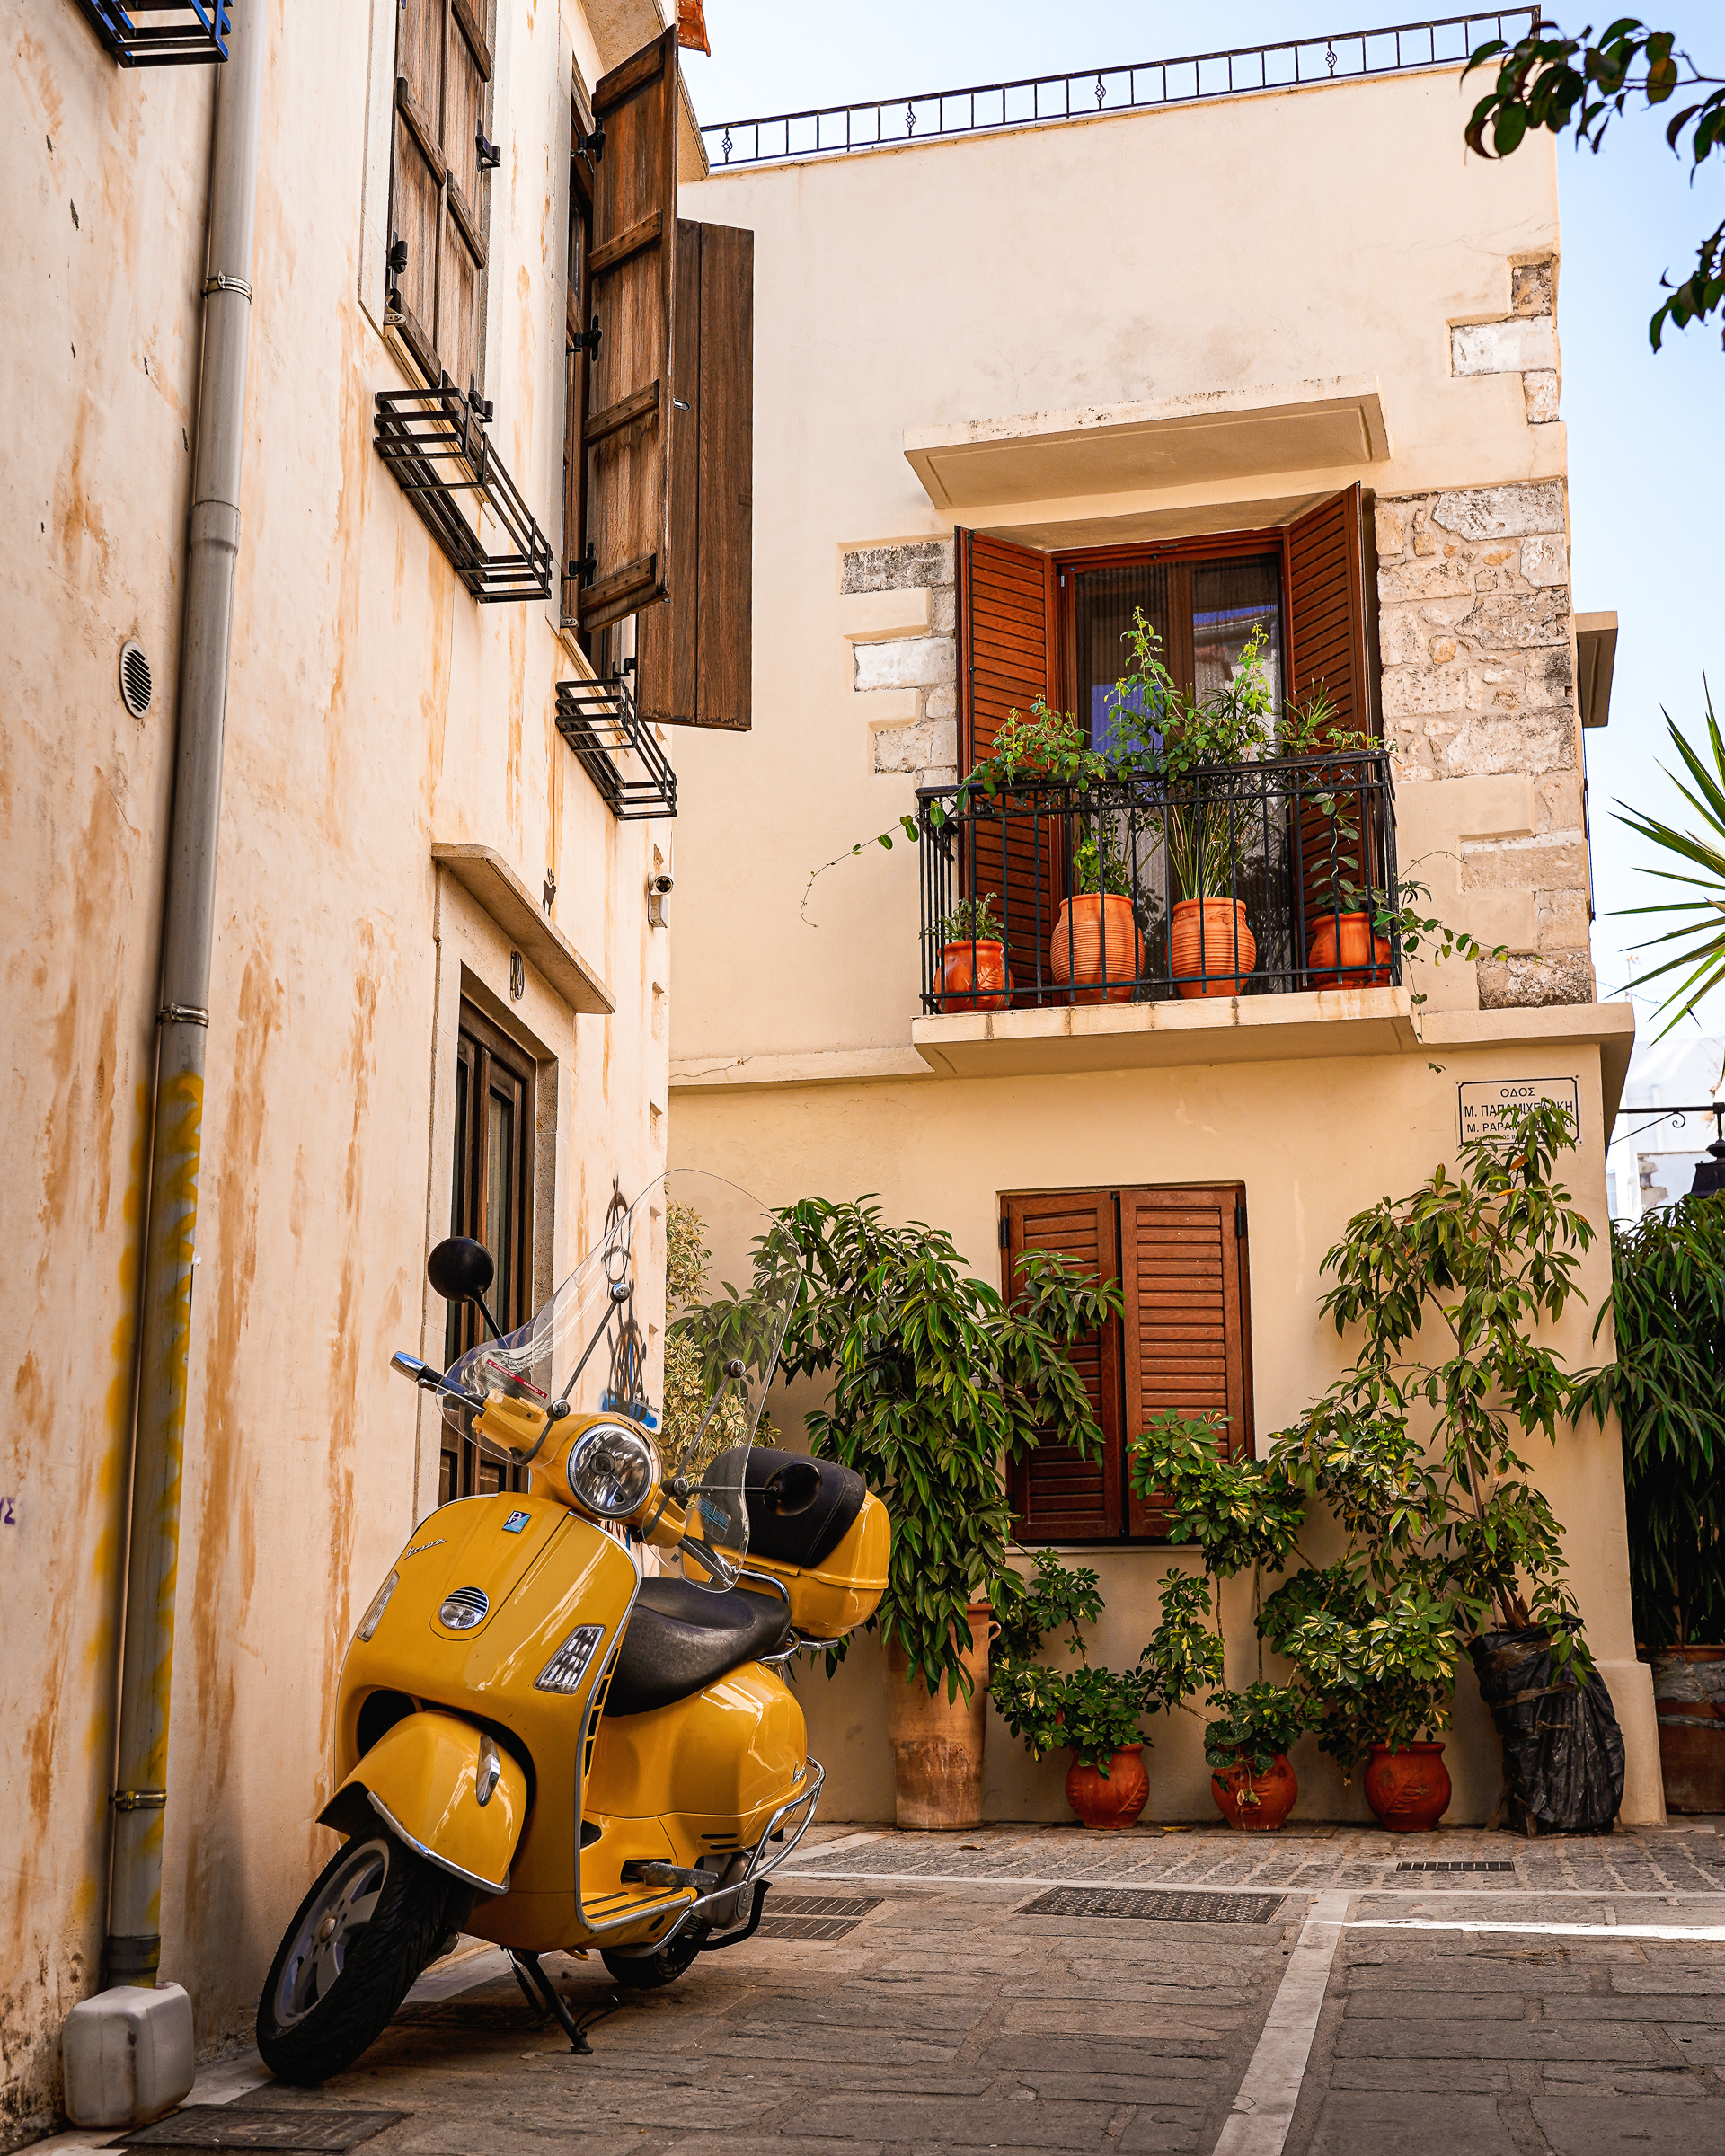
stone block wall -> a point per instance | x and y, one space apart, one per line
1479 684
900 602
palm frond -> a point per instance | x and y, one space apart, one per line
1703 961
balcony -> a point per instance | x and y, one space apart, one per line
1048 897
160 33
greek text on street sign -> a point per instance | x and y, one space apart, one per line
1485 1105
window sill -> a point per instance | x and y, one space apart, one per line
1111 1036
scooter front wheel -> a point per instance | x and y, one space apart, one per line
650 1972
368 1926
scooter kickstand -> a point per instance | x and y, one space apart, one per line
541 1990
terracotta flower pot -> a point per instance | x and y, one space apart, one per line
1344 954
1407 1789
1115 1800
1210 948
1093 928
937 1742
1689 1700
1258 1803
975 977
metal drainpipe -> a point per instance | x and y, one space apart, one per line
133 1950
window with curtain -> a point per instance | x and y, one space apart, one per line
1204 612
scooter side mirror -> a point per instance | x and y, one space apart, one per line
792 1490
460 1270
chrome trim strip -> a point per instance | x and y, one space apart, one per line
767 1579
468 1878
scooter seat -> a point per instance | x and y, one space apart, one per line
681 1637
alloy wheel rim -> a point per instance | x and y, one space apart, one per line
329 1931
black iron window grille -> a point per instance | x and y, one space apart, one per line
1245 880
433 441
160 33
616 747
1048 100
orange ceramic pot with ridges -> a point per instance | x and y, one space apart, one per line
1407 1789
1257 1803
1210 948
1097 932
1344 954
975 977
1112 1799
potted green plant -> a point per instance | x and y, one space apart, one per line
1091 1711
1097 947
1242 1515
938 1383
1668 1313
974 972
1195 745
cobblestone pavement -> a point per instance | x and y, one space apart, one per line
1291 1995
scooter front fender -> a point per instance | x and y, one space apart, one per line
424 1777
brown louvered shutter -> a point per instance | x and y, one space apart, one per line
630 275
1008 656
693 653
1326 579
1329 646
443 64
1187 1323
1058 1496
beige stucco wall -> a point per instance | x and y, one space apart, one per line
1016 296
373 709
1314 1141
1248 249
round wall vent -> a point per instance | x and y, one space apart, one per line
137 685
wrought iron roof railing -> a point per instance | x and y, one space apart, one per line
1090 93
160 33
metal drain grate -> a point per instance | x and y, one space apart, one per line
1166 1908
260 2127
817 1915
1493 1866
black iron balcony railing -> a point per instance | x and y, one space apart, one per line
433 441
160 33
1050 100
616 747
1246 879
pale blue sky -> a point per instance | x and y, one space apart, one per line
1646 431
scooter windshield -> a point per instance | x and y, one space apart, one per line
674 1322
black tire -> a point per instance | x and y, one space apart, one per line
330 1993
651 1972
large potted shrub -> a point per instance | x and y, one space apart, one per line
1667 1386
938 1383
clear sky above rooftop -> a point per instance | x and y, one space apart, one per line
1646 431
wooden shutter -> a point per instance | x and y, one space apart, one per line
631 273
1187 1323
443 64
1326 605
693 653
1008 656
575 359
1331 621
1058 1496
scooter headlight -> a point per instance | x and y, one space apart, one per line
611 1469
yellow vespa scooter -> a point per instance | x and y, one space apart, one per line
564 1722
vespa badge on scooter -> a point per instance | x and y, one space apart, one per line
563 1721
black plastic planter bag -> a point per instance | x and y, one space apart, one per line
1563 1750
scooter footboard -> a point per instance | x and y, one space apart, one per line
449 1791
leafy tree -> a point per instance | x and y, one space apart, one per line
938 1380
1667 1386
1573 84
